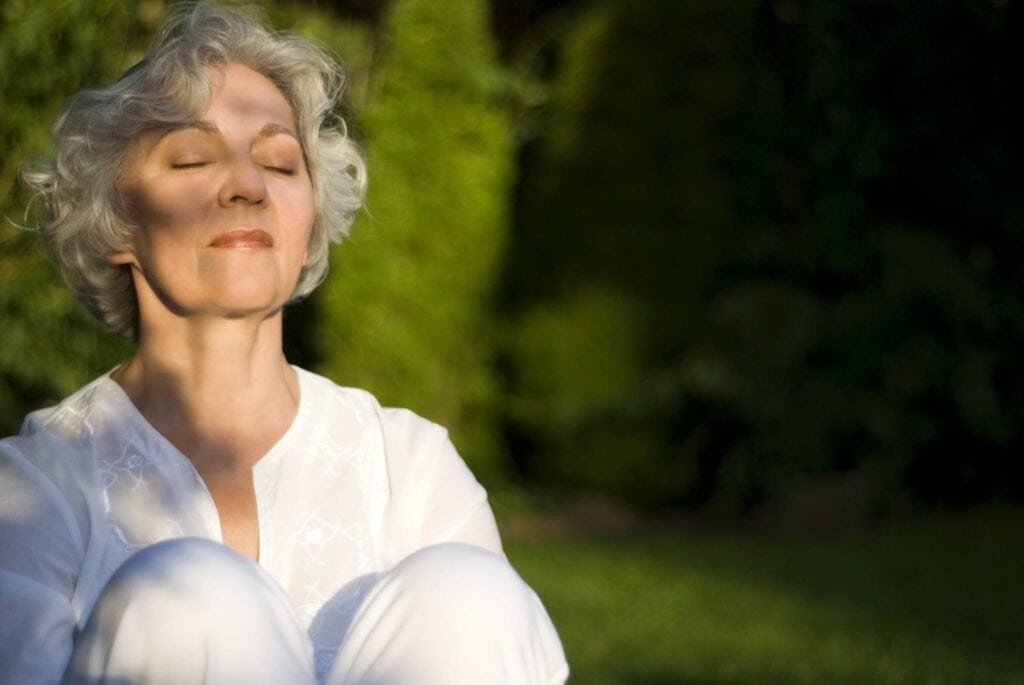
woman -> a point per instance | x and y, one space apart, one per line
206 512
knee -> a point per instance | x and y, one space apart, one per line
180 562
452 613
184 575
212 613
465 583
187 553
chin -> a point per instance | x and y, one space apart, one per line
241 303
250 291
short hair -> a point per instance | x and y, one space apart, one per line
169 88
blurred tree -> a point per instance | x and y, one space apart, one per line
347 39
867 314
405 311
623 207
868 306
758 240
49 345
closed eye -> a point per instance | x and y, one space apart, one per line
282 170
189 165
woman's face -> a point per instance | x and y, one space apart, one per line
224 206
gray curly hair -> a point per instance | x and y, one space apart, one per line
168 89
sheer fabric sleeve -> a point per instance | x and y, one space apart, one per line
40 553
433 496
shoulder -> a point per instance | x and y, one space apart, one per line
404 431
52 460
50 434
413 451
74 420
427 493
60 442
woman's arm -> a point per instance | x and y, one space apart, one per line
40 553
434 497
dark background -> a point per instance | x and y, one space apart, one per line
736 257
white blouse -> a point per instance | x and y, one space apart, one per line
349 490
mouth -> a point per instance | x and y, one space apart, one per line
243 239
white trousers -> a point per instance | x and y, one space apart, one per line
191 611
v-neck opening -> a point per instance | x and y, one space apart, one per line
269 458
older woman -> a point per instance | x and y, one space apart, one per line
205 512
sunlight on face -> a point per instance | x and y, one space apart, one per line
224 207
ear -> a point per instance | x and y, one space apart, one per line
123 257
305 253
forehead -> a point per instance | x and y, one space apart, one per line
237 92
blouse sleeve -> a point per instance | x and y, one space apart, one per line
434 497
39 553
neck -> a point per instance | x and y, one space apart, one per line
219 389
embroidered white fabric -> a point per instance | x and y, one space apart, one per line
348 492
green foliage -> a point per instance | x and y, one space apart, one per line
807 213
577 363
852 326
49 345
623 212
349 41
405 310
814 384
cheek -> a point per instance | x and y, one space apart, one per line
302 246
307 201
301 214
166 207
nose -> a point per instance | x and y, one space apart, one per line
244 184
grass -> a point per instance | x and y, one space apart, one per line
936 600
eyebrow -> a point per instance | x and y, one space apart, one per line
268 130
273 129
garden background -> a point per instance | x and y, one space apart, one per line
720 298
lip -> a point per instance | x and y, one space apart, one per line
243 239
